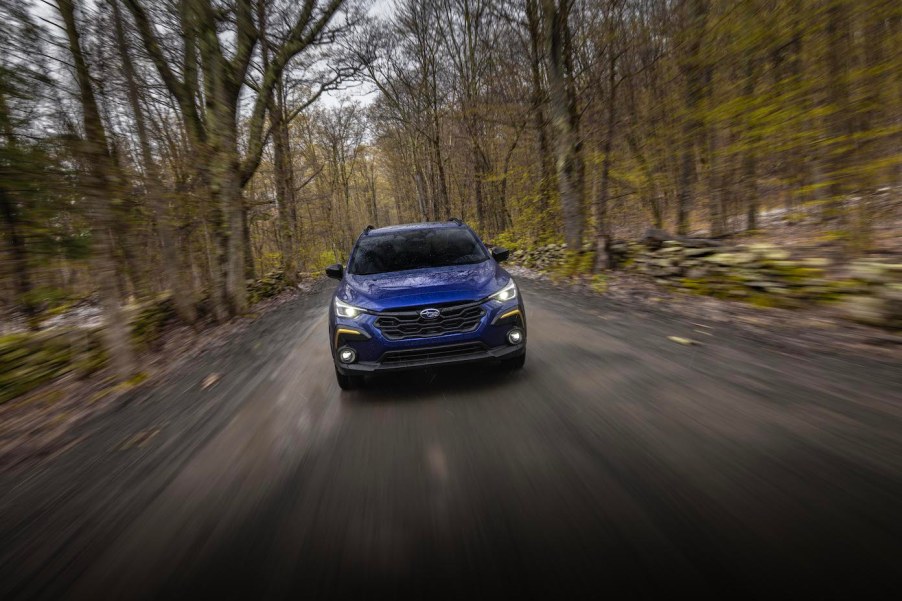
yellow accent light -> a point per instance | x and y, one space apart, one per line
341 331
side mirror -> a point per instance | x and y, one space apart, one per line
336 272
499 253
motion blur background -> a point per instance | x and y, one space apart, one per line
172 170
142 154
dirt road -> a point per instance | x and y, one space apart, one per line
617 459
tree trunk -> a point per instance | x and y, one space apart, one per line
539 102
479 177
565 118
17 251
873 119
749 157
18 256
250 272
787 71
227 199
182 295
602 229
750 189
371 183
838 41
420 184
444 199
99 192
691 68
716 180
284 171
717 167
285 198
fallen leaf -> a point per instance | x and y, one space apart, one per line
139 440
210 381
680 340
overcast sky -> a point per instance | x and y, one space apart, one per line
363 93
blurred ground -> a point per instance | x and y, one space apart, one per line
44 421
623 457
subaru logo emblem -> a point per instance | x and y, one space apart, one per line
430 313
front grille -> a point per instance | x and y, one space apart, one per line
453 319
434 352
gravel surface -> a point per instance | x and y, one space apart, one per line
622 458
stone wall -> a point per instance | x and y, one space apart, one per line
868 291
541 257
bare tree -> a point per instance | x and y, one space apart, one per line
540 102
693 73
565 118
100 189
211 112
182 296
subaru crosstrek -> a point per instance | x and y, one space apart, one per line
423 295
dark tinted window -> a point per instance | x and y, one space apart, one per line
415 249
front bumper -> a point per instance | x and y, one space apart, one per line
376 353
446 354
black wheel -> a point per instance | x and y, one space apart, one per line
516 362
348 382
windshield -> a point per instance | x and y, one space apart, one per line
415 249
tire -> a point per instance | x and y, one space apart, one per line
348 382
515 363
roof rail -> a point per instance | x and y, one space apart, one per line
456 220
367 229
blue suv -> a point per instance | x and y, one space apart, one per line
422 295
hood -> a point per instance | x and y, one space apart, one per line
430 286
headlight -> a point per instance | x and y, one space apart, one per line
343 309
506 293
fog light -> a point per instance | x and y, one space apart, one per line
515 336
347 355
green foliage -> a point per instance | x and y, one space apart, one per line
599 283
270 261
765 301
574 264
512 240
324 259
150 319
833 236
49 299
28 360
266 287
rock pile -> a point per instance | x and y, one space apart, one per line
268 286
541 257
878 301
763 274
552 255
868 291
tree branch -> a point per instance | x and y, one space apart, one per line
299 38
175 86
246 36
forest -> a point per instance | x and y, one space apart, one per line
190 147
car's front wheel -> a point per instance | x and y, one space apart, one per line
348 382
